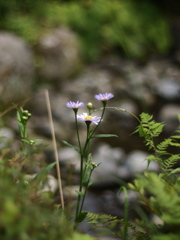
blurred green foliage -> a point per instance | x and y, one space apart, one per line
24 215
102 26
27 215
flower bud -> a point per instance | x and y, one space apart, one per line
94 165
32 142
25 112
89 105
24 118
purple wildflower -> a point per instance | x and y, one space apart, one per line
74 105
86 118
104 96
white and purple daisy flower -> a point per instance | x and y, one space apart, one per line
104 96
87 118
74 105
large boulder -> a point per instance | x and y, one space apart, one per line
16 69
59 55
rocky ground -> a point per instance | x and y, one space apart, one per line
55 64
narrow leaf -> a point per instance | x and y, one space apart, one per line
79 193
71 146
81 216
176 136
126 209
177 170
104 135
24 140
87 169
43 173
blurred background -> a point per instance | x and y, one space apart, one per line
79 48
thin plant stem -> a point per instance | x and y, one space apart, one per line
126 209
81 163
77 130
104 108
55 147
124 110
78 210
86 189
85 152
80 188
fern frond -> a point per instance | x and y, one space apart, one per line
151 127
142 236
161 148
153 158
169 163
97 218
107 223
176 139
176 136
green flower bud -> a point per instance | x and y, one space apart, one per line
25 112
32 142
94 165
24 118
89 105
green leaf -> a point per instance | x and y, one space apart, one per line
176 136
81 216
104 135
175 144
87 169
177 170
43 173
90 182
71 146
24 140
79 193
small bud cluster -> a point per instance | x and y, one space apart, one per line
31 142
25 116
94 165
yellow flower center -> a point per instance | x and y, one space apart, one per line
104 98
88 118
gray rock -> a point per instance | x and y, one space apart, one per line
132 196
6 136
168 89
16 69
110 159
70 191
90 82
50 185
69 156
59 53
169 112
136 162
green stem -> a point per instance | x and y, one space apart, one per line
87 186
85 151
80 189
82 169
124 110
104 108
77 129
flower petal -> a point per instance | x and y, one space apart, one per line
104 96
74 105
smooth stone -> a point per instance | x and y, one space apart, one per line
136 162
